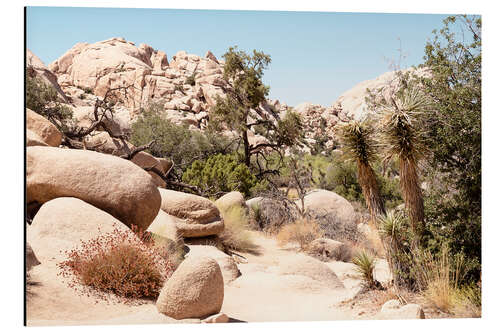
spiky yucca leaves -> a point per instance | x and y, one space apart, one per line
365 265
402 136
358 143
394 235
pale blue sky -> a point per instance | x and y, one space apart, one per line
316 56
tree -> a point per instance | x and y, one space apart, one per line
454 134
358 144
242 109
402 136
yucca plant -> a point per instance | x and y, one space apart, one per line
402 136
365 265
359 145
394 235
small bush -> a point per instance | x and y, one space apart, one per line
302 232
365 264
236 235
119 263
272 214
334 228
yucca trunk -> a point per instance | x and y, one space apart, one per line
412 194
369 186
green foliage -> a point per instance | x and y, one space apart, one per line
246 92
220 173
43 99
176 142
453 209
365 265
358 141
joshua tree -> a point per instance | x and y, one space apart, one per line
402 137
357 139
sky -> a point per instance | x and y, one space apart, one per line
316 56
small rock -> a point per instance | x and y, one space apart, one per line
218 318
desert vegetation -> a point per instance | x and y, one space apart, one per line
217 170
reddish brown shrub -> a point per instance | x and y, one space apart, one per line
121 262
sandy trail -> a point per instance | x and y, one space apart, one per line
262 293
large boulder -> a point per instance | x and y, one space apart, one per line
321 202
231 199
107 182
393 309
63 223
196 216
195 290
226 263
47 131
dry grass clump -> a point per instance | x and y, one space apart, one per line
442 289
236 235
302 231
119 263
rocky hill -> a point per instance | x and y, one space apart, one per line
187 86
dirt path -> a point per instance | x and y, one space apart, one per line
264 293
273 287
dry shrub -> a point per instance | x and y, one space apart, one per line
335 228
119 262
274 212
236 235
302 231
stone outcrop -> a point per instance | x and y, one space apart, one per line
107 182
116 62
196 216
353 102
195 290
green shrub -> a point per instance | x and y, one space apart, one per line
43 99
219 174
